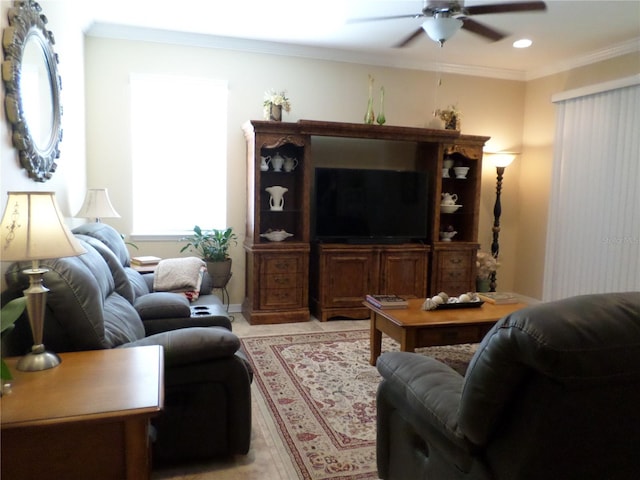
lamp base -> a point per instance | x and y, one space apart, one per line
38 359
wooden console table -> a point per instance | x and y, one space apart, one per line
87 418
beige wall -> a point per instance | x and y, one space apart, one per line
518 116
69 179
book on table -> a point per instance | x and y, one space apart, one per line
387 301
499 298
145 260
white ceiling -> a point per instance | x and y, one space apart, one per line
568 34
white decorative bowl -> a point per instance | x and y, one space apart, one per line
447 236
276 235
449 208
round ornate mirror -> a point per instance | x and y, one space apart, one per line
32 89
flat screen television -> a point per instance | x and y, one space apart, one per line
370 206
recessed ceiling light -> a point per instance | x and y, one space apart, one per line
522 43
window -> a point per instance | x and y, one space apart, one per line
179 154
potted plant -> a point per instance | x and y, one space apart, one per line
274 103
485 265
450 116
213 247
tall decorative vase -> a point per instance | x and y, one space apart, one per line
381 118
482 284
370 117
275 113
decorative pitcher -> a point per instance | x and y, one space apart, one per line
290 164
449 198
277 162
264 163
276 202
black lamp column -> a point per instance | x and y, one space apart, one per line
501 162
497 211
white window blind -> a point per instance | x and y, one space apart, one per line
593 239
179 154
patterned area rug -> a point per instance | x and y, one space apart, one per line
320 390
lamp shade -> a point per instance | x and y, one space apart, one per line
33 228
502 159
97 205
441 28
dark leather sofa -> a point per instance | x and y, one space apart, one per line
98 301
553 392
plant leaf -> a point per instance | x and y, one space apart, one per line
5 373
11 312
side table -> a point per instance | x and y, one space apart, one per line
87 418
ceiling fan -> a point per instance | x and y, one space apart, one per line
445 18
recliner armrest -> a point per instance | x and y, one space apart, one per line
162 305
192 345
427 393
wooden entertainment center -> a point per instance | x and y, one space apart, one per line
287 281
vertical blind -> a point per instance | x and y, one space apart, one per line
593 235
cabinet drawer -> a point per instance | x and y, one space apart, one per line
275 264
274 298
454 261
453 276
284 280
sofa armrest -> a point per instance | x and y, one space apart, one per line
162 305
426 393
192 345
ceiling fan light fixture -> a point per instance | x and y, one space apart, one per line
522 43
441 28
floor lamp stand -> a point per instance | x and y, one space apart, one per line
497 211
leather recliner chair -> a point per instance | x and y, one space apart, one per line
90 305
551 393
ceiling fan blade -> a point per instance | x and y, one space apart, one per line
410 38
505 8
482 30
375 19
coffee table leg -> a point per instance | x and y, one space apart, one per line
375 340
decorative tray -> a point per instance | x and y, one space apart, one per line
452 306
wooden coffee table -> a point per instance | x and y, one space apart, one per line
413 327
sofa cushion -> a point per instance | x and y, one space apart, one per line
84 310
109 236
121 280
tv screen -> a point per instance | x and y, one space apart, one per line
370 206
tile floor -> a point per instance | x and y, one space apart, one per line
267 458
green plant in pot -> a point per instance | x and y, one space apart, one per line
213 247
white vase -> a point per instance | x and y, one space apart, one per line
276 202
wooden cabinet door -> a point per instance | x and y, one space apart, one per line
403 273
346 278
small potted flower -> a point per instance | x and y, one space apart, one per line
274 103
485 265
450 116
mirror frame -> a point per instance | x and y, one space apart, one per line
25 22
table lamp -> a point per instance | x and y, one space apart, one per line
33 229
97 205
